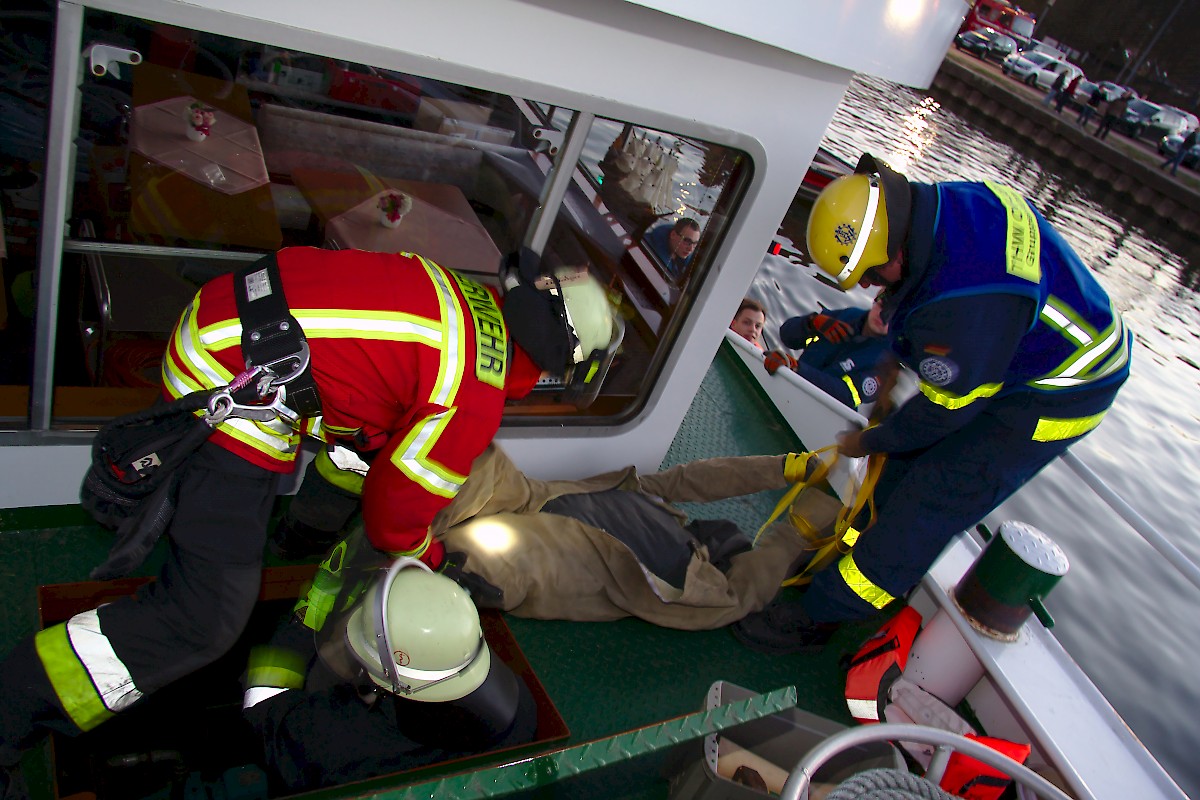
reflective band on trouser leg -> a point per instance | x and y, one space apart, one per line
348 477
256 694
91 682
860 584
1054 430
853 390
272 670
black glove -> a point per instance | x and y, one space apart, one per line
483 593
830 328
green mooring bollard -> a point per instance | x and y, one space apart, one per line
1009 580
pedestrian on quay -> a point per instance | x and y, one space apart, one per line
956 258
1068 93
1174 161
1055 89
1092 107
1114 112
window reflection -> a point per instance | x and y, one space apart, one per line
302 149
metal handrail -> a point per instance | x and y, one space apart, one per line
1176 557
800 778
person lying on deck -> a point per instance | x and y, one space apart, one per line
604 547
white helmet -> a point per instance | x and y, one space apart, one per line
597 331
417 634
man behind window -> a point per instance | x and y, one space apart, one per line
675 244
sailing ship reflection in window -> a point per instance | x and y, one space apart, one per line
668 187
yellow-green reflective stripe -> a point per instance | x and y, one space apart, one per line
1091 363
453 353
491 335
70 679
1055 430
345 479
851 536
333 323
860 584
275 666
853 390
952 401
417 551
1023 255
1061 317
411 457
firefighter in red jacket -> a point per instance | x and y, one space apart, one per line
412 364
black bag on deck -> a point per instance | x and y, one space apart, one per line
131 484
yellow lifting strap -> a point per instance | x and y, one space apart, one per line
844 535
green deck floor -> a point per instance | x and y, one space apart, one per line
604 678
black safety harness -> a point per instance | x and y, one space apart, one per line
131 484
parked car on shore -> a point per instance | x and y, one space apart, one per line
1137 117
1169 146
1038 69
1171 120
985 44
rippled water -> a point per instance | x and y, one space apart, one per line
1125 615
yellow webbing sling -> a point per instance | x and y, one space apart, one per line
831 547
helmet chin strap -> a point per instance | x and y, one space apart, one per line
860 242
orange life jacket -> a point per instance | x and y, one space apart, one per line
974 780
877 665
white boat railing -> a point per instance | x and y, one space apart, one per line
1144 528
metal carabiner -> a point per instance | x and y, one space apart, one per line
221 406
301 359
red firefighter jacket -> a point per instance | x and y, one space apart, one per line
411 360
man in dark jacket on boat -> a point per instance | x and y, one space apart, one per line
1019 352
842 349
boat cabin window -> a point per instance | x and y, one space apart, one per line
211 151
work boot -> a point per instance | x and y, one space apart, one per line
294 540
782 627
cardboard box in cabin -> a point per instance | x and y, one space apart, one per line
771 746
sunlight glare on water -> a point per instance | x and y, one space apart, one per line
1125 614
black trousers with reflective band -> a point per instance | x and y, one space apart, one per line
191 615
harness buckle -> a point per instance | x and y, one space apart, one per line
296 363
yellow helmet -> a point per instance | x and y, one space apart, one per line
858 221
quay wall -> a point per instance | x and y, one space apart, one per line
1036 127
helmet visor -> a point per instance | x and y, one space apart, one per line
845 278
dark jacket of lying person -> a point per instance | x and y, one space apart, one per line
403 679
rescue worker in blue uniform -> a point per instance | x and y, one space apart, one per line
1019 353
842 350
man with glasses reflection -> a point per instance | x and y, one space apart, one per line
675 244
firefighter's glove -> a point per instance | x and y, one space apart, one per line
830 329
776 359
483 593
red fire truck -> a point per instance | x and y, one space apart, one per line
999 15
